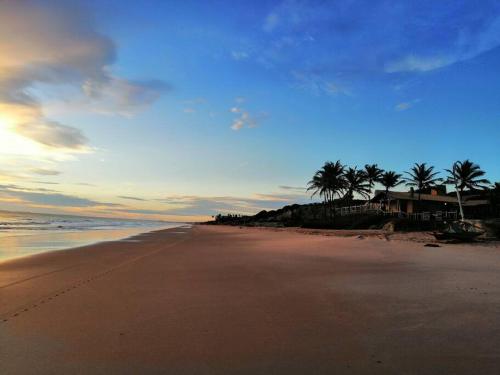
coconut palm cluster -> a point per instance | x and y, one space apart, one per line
336 182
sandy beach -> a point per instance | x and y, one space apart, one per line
216 300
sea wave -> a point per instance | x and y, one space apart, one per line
16 221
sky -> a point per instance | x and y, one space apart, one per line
179 110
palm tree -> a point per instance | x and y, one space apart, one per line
373 174
318 185
390 179
328 182
466 174
422 177
356 182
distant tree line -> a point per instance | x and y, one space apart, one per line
337 183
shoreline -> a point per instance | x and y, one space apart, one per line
93 237
215 299
419 237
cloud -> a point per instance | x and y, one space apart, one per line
54 135
239 55
46 197
45 172
131 198
57 43
123 97
470 41
317 84
271 22
237 124
417 64
208 206
406 105
245 119
403 106
196 105
46 182
343 42
294 188
85 184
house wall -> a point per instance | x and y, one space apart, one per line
409 207
393 206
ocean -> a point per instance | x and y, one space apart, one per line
24 233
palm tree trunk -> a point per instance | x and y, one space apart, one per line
387 208
459 197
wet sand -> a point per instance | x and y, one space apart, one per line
217 300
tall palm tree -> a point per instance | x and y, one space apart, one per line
466 174
373 174
390 179
329 182
422 177
356 182
318 185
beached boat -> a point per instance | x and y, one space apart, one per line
459 231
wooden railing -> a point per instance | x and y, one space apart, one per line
360 209
376 209
437 215
425 216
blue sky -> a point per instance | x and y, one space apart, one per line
194 108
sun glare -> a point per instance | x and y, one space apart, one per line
15 144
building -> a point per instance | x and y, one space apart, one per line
432 201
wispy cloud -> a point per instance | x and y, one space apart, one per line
54 135
131 198
345 38
239 55
47 198
46 182
45 172
271 22
56 43
317 84
195 105
413 63
406 105
245 119
294 188
121 96
208 206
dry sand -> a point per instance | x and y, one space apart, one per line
216 300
